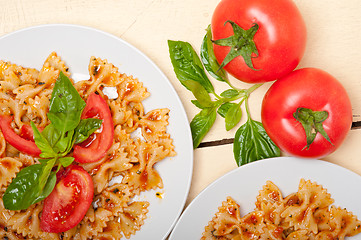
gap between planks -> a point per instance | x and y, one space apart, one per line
355 125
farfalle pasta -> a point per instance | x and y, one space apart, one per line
114 214
305 214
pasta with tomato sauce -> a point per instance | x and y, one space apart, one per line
305 214
25 95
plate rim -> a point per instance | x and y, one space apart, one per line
244 168
190 167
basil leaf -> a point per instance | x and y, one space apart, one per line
42 143
199 93
66 105
47 179
65 144
209 59
24 190
197 104
187 65
223 109
52 135
233 116
252 143
201 124
85 128
66 161
34 183
48 188
46 170
230 93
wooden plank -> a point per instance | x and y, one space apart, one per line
333 36
333 42
213 162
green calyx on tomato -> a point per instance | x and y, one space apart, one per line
312 123
241 44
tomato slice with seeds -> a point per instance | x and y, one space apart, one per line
22 143
26 132
68 203
97 145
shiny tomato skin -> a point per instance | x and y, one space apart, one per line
98 144
68 203
26 132
280 39
23 144
308 88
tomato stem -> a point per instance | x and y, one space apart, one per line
241 44
311 122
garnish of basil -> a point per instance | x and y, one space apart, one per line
35 182
251 141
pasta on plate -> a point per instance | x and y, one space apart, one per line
25 94
305 214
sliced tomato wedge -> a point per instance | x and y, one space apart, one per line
97 145
26 132
23 144
68 203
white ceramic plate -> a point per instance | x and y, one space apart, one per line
243 184
76 44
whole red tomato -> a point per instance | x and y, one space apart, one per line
318 96
280 39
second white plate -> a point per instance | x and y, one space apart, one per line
243 185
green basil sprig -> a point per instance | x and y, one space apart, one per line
251 140
35 182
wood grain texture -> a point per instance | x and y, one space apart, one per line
334 45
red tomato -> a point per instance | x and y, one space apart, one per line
313 89
280 39
23 144
98 144
27 132
68 203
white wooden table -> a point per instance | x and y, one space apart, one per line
334 45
